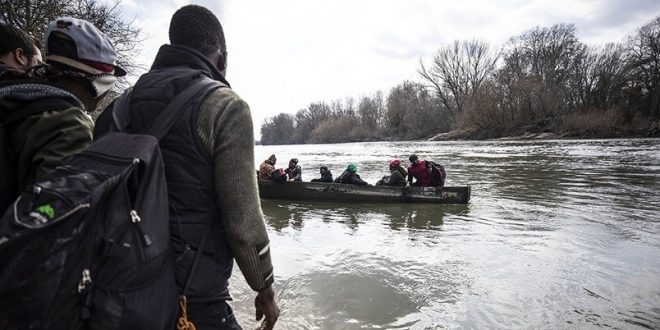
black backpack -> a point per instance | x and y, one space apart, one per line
87 246
278 175
438 174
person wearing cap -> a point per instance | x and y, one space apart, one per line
350 176
294 171
418 170
85 56
211 131
18 52
81 68
267 168
326 175
397 175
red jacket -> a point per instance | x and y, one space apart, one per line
421 173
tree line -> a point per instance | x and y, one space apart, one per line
543 80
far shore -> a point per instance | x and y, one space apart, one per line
464 134
483 135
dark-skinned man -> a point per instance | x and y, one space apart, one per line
196 150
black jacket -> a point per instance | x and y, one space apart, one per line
325 177
294 174
350 178
188 168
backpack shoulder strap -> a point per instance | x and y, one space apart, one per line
120 121
168 116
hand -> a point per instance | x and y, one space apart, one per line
266 308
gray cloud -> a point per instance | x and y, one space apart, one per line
624 11
619 17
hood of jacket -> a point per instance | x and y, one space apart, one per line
20 93
176 55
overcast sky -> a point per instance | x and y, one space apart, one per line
284 55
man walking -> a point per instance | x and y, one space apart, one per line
42 115
210 211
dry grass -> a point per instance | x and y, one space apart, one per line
609 123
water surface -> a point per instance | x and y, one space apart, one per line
558 234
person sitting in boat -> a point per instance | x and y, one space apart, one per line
267 168
326 175
294 171
278 175
397 175
350 176
418 170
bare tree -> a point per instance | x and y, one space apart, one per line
309 118
538 67
412 112
601 78
33 17
458 70
278 130
643 59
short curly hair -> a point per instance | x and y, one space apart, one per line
197 27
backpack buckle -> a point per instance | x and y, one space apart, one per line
84 281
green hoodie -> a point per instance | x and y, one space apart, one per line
43 141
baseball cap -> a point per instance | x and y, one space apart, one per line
93 53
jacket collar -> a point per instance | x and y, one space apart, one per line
177 55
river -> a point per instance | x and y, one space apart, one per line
558 234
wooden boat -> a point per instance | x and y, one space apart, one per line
337 192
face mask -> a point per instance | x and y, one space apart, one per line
103 83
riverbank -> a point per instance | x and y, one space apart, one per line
572 131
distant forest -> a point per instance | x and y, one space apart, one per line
543 80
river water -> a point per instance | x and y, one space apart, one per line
558 234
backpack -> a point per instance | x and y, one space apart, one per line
87 246
438 174
279 175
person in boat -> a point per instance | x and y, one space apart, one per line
294 171
326 175
350 176
397 175
418 170
267 168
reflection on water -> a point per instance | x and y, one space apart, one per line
282 214
558 234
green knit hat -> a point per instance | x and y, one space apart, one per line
352 167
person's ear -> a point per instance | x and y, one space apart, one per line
20 57
222 62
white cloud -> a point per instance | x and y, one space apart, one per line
284 55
